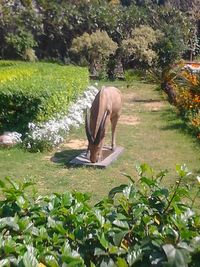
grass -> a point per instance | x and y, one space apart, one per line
158 138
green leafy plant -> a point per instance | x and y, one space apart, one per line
36 92
21 41
139 47
141 224
96 47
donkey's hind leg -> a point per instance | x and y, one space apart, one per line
114 121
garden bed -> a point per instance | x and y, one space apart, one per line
37 92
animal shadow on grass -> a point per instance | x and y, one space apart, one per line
65 156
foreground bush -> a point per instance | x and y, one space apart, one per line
37 92
141 224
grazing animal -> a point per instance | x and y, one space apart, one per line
106 106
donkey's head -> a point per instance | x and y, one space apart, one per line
95 143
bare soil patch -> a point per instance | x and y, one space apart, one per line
76 144
128 97
129 120
154 106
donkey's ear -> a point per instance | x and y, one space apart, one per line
101 130
87 127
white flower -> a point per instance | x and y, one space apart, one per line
15 137
54 129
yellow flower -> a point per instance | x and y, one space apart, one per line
198 179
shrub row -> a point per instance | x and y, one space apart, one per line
188 98
36 92
141 224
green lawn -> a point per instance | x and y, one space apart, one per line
149 131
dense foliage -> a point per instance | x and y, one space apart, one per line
95 48
46 29
37 92
139 47
188 96
181 82
141 224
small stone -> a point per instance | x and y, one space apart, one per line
6 140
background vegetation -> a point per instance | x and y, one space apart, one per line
48 30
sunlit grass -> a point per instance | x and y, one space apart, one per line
159 139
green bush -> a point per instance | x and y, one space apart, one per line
96 48
132 75
139 47
37 92
20 41
141 224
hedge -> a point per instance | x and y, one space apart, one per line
36 92
140 224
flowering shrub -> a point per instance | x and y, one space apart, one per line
140 224
187 86
45 135
188 102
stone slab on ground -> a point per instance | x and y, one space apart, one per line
108 157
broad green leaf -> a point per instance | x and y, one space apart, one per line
2 184
15 185
127 191
9 222
161 192
107 262
5 262
133 256
176 257
100 217
185 246
67 199
43 233
22 202
147 181
29 258
143 168
56 225
121 262
99 252
121 224
115 190
73 260
66 249
9 245
51 261
182 170
104 242
117 238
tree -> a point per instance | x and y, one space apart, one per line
139 47
95 47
